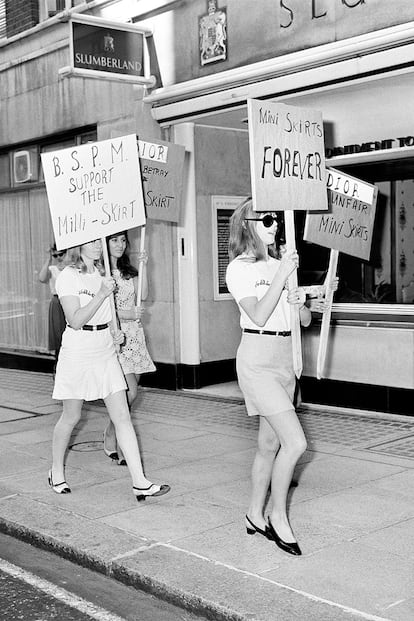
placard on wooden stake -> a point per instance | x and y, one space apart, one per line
347 227
288 173
94 191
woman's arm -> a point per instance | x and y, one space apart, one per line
44 274
76 315
259 311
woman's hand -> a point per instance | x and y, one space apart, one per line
333 285
296 296
107 286
289 262
118 336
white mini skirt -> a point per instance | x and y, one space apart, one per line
265 373
88 367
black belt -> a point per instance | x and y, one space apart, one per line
100 326
268 332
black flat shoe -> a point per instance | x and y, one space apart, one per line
289 547
253 529
141 493
111 454
59 488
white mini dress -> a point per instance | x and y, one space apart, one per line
264 363
88 366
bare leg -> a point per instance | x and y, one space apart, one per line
72 410
118 410
292 444
267 448
132 381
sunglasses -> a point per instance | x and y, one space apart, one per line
58 254
267 220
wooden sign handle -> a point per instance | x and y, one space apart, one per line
114 318
294 309
141 266
326 317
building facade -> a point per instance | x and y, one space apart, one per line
352 60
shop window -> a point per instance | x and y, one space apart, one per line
388 277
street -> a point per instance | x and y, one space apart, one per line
38 585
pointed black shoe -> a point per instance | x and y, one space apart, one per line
289 547
253 529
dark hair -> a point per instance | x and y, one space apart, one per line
124 265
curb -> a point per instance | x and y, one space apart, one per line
117 571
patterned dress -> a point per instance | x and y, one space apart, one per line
134 356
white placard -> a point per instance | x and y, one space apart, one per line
94 190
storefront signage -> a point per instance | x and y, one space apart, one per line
107 49
373 145
286 157
348 225
162 171
94 190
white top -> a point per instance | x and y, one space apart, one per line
85 286
246 279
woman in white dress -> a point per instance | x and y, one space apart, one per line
88 367
133 355
257 279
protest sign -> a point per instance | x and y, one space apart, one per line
94 190
349 223
347 227
288 173
286 157
162 170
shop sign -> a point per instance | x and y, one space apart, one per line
94 190
372 145
114 48
286 157
348 225
213 34
162 171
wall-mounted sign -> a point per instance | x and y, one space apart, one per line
106 49
94 190
373 145
348 225
286 157
102 48
213 34
162 171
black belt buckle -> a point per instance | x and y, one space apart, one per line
99 326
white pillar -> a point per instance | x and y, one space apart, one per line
188 300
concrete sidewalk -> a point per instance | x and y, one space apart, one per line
353 509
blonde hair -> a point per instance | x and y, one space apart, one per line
243 235
75 260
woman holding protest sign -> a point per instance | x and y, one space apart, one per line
88 366
133 355
257 278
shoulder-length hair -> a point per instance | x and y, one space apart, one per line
124 264
243 235
74 259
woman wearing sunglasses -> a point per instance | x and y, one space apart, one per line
257 279
50 270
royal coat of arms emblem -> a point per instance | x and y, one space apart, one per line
213 34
